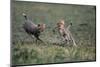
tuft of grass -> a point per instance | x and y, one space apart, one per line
41 54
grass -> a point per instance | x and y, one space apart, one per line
26 51
41 54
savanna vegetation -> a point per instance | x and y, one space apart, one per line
26 51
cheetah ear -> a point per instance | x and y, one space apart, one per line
23 14
71 24
38 25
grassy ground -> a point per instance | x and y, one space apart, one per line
26 51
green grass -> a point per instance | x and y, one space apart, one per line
41 54
26 51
